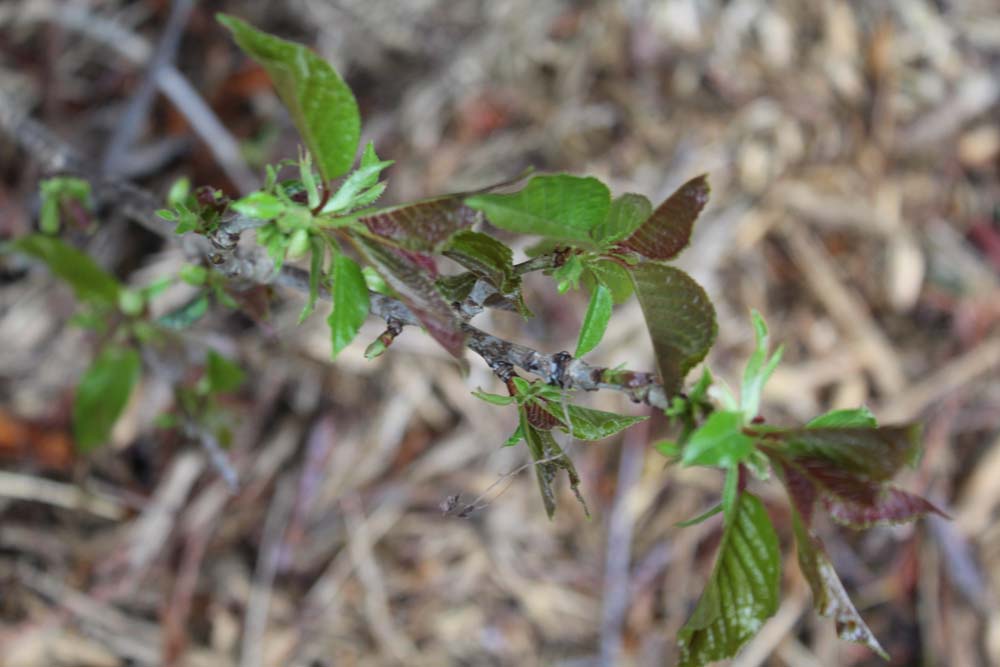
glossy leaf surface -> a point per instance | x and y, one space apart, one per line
680 319
320 103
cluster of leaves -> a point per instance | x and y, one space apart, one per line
613 247
120 318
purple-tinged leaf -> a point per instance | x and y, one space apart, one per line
668 230
424 226
680 318
417 290
889 506
742 592
829 597
540 417
873 453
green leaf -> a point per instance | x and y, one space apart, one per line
515 437
568 274
319 102
758 370
680 319
193 274
701 518
589 424
223 374
419 293
423 226
720 441
742 592
625 215
668 229
595 321
375 282
854 418
494 399
187 314
179 191
549 459
829 597
259 205
486 257
350 302
668 448
559 206
316 260
90 282
102 394
875 454
351 189
612 275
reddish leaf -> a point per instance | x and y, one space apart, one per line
539 417
829 597
418 291
873 453
889 506
422 226
668 230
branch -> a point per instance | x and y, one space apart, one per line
220 249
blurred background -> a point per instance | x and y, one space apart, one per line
853 150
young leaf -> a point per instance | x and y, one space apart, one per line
559 206
667 448
668 229
568 274
742 592
423 226
486 257
625 215
595 321
701 518
549 458
351 189
720 441
259 205
588 424
102 394
680 318
89 281
350 302
316 261
610 274
853 418
758 370
419 293
319 102
515 437
494 399
223 374
187 314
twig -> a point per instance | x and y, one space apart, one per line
255 266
